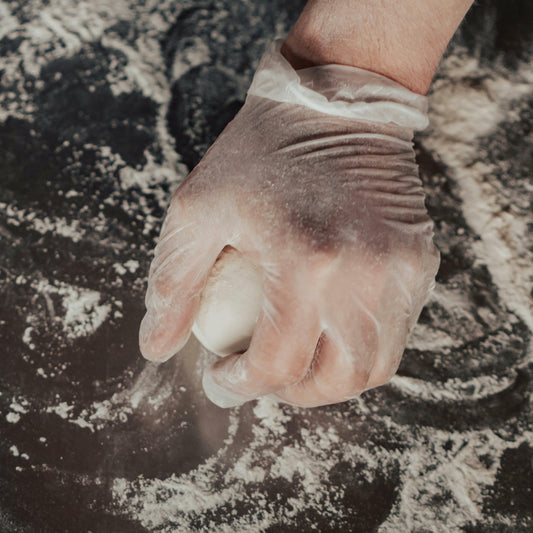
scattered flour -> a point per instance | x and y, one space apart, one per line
82 313
57 226
13 418
472 113
9 22
117 410
459 472
453 389
17 407
432 461
173 503
196 53
130 266
62 410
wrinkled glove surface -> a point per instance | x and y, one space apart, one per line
314 181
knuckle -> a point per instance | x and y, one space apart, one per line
280 374
353 383
292 374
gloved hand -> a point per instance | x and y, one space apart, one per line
315 182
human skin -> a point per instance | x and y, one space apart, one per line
337 308
401 39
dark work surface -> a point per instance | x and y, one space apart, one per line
104 108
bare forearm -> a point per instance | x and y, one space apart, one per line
401 39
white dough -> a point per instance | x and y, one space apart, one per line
230 305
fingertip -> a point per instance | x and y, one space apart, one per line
155 343
219 395
146 329
156 356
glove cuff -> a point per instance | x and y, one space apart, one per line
338 90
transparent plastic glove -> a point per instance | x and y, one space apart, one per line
315 183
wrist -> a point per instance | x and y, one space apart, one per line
308 50
339 90
401 39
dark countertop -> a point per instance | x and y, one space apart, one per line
104 107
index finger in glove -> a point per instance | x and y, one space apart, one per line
184 256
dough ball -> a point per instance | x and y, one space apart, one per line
230 304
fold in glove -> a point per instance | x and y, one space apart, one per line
315 183
338 90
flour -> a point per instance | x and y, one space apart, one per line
115 411
305 464
62 410
13 418
18 407
195 53
473 114
97 417
9 22
173 503
82 312
453 389
43 225
433 462
460 472
152 179
276 466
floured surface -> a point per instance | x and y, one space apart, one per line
102 109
